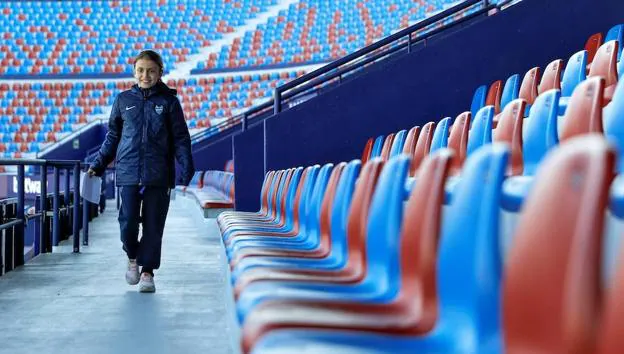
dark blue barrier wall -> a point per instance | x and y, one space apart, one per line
214 155
249 168
434 82
87 140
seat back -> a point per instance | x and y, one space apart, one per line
616 33
368 148
574 73
469 260
423 145
458 141
397 144
410 141
265 191
342 204
359 212
592 45
552 77
384 226
605 63
315 201
552 281
509 130
478 99
584 113
440 135
614 123
274 191
379 141
282 195
304 194
510 90
420 234
540 132
528 88
293 188
494 96
481 131
387 145
327 204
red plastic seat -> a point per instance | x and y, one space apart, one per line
324 230
414 309
605 66
494 96
368 148
551 293
386 147
584 112
509 130
410 141
551 78
458 141
591 46
354 269
528 88
423 146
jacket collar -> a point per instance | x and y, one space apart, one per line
159 88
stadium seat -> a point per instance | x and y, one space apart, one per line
551 293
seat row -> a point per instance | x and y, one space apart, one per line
406 249
213 190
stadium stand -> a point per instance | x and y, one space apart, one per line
495 230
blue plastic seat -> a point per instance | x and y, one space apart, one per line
307 238
381 256
469 278
287 188
377 145
440 135
336 258
616 33
539 136
511 90
575 72
481 129
397 143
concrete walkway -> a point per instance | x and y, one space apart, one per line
80 303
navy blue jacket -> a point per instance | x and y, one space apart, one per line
146 132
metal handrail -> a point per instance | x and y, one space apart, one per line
19 221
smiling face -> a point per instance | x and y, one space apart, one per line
147 73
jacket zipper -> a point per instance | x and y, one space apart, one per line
143 139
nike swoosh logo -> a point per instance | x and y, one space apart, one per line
129 108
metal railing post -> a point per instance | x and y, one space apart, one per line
43 206
18 231
85 220
244 121
277 100
56 225
76 209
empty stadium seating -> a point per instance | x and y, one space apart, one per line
212 190
313 31
95 38
329 264
35 114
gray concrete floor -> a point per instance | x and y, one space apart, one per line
80 303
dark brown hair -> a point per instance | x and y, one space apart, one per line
153 56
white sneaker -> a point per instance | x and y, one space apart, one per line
146 284
132 274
